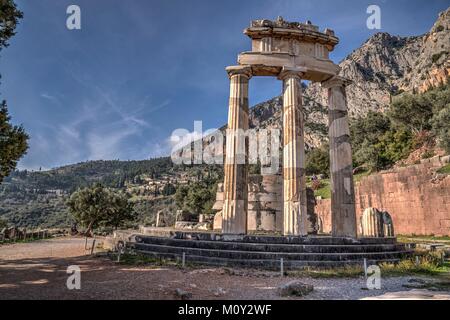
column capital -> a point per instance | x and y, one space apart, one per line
239 70
336 81
291 72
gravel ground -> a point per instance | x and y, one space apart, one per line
37 270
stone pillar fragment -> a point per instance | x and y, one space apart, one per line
388 225
234 214
343 211
372 223
294 182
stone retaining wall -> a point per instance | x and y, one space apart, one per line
417 198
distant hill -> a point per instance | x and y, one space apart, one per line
112 173
35 198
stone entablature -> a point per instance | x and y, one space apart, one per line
291 31
277 44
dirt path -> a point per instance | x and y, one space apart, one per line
37 270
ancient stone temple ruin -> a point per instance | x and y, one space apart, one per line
290 51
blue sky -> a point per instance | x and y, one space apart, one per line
139 69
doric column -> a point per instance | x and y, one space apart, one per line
343 213
234 215
294 183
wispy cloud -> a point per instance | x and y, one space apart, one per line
50 97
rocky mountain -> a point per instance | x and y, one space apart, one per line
387 65
383 67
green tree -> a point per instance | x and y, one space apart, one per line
168 189
366 154
197 198
200 198
441 127
13 143
99 206
180 196
9 18
120 210
412 111
368 128
13 139
318 161
394 145
365 133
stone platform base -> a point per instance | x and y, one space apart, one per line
265 252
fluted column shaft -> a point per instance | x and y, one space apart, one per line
234 214
294 183
343 213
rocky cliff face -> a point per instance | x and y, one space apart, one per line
384 66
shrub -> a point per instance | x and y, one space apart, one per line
3 224
435 57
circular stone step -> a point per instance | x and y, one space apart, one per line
267 251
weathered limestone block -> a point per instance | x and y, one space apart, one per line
261 220
185 225
272 184
218 205
217 225
192 225
254 205
219 196
268 221
279 219
204 226
263 197
160 219
252 220
277 189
